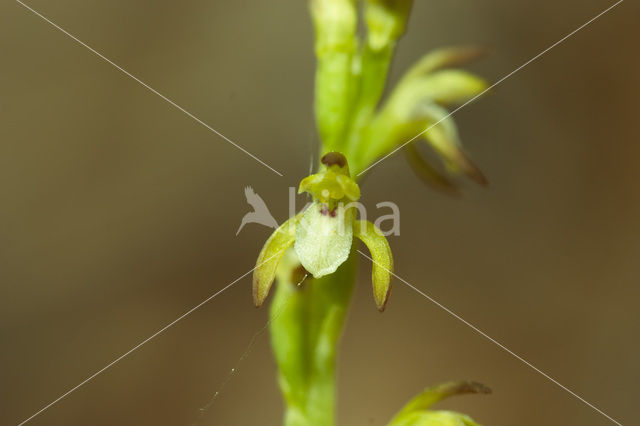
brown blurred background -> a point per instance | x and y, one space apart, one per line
118 213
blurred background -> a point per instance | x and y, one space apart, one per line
118 213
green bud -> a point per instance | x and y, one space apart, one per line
437 418
445 87
417 411
335 23
456 160
447 57
386 21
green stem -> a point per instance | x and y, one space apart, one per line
335 46
374 66
385 21
306 324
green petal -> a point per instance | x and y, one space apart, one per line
324 238
455 158
436 418
434 394
449 86
382 260
414 412
267 264
415 100
448 57
434 113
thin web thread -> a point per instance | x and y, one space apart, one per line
145 85
139 345
494 341
493 85
245 354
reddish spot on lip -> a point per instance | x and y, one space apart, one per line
325 210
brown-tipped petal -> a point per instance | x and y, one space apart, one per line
448 57
427 173
446 390
469 168
267 264
430 396
382 260
450 87
449 149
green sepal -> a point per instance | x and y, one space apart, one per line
445 87
415 412
329 185
442 136
269 258
450 87
332 184
436 418
382 268
447 57
456 160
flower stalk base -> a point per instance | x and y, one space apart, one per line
307 320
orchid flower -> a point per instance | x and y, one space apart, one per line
322 235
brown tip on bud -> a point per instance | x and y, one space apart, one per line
334 159
470 54
382 304
428 174
468 387
471 170
453 57
450 389
476 174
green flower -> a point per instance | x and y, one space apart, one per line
417 411
420 101
438 418
322 235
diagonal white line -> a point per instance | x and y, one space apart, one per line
163 329
150 88
495 84
494 341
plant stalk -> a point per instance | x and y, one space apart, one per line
306 324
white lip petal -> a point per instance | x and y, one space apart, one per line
323 239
